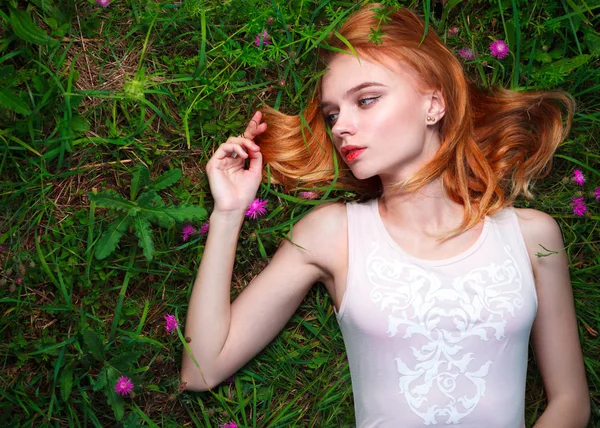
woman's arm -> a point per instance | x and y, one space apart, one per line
225 337
554 334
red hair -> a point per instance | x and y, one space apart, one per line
493 142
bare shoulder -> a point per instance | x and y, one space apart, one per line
541 232
321 233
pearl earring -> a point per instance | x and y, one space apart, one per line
430 119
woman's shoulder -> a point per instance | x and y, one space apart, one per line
541 232
323 231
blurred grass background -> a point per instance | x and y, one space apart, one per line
131 98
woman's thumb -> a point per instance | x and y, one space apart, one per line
255 164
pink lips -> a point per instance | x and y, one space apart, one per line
350 157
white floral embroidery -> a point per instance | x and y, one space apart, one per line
475 306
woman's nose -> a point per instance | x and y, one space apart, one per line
344 124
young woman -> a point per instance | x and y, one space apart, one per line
433 274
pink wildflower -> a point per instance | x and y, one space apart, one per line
187 230
467 53
579 207
578 177
452 31
19 280
204 229
264 37
124 386
228 425
309 195
256 208
597 193
103 3
171 322
499 49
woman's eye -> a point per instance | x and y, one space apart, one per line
329 120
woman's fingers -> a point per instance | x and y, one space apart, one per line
236 146
254 126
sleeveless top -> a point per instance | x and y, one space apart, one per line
437 342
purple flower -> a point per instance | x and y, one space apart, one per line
228 425
467 53
452 31
187 230
264 37
124 386
579 207
204 229
597 194
171 322
256 208
578 177
499 49
103 3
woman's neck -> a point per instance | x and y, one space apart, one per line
428 212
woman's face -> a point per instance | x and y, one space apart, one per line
388 117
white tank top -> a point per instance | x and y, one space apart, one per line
437 342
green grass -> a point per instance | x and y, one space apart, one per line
88 95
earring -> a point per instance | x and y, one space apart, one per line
430 119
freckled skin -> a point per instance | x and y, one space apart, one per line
393 127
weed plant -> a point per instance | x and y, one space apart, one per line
106 98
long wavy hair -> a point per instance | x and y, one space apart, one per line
494 142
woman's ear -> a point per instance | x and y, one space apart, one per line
437 105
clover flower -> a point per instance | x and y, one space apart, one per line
187 230
578 177
499 49
103 3
452 31
597 194
264 38
171 322
467 53
124 386
228 425
256 208
204 229
579 207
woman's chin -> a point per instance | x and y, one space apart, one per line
361 174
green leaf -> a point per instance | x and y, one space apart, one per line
100 381
144 233
150 199
79 124
124 361
66 382
110 200
592 40
117 404
153 208
94 344
565 65
25 29
542 56
109 239
12 101
167 179
140 178
114 399
186 212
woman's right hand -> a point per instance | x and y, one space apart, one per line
233 188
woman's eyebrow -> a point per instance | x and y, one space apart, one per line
357 88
